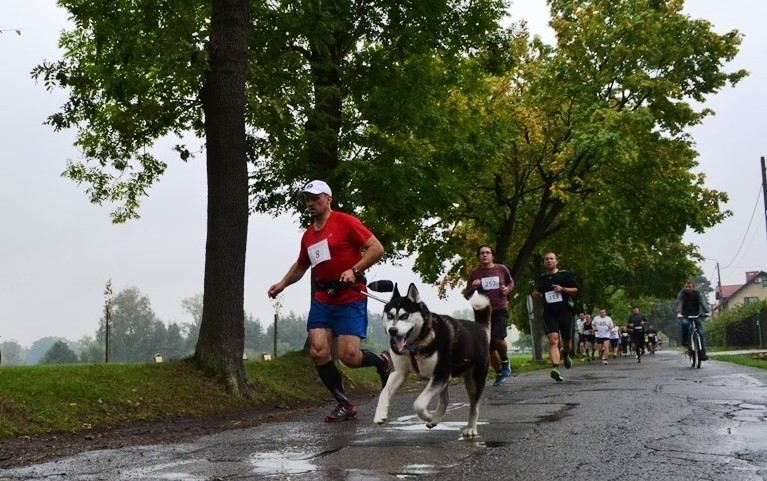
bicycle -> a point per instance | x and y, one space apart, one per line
695 345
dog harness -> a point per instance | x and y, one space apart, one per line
413 362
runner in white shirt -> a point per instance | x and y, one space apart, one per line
602 325
581 338
615 338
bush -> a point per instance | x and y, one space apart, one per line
738 327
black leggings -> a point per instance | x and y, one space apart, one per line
639 342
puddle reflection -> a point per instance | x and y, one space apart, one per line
281 463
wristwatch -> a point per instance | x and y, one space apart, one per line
356 272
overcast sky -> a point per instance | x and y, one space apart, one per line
57 251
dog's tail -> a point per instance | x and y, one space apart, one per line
482 311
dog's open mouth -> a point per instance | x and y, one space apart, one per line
398 343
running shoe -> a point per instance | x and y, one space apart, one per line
386 369
556 375
342 412
567 361
505 369
499 379
604 360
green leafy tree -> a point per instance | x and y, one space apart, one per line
585 149
255 337
138 71
38 348
59 353
133 327
291 333
582 149
91 350
174 343
193 306
320 76
13 354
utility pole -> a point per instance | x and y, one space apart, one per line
277 303
107 316
764 191
764 197
719 285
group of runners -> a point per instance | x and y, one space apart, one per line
601 336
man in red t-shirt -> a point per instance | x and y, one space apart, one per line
494 281
338 248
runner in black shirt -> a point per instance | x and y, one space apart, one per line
556 288
637 322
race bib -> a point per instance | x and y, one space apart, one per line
319 252
491 283
553 296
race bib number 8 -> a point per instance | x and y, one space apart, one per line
319 252
491 283
553 296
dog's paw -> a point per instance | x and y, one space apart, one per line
469 432
380 416
431 424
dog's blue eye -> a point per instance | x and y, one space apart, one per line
404 315
389 316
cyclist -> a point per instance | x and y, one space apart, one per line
690 302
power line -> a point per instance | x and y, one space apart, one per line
745 234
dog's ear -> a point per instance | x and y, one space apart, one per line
413 295
395 292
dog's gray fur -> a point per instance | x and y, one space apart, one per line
436 347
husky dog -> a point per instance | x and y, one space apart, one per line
437 348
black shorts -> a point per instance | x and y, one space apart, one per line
561 322
499 323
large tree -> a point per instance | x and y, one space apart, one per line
583 146
132 327
345 90
222 332
59 353
319 76
140 70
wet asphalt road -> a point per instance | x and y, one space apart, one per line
658 420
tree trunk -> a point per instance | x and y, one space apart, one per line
220 344
538 331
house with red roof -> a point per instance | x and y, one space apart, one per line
755 289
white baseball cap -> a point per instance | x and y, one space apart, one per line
317 187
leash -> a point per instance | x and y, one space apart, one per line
331 287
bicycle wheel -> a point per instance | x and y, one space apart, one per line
693 357
692 351
698 348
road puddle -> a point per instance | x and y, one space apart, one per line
282 463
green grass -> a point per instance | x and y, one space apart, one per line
753 360
77 397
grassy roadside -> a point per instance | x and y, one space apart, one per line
77 397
